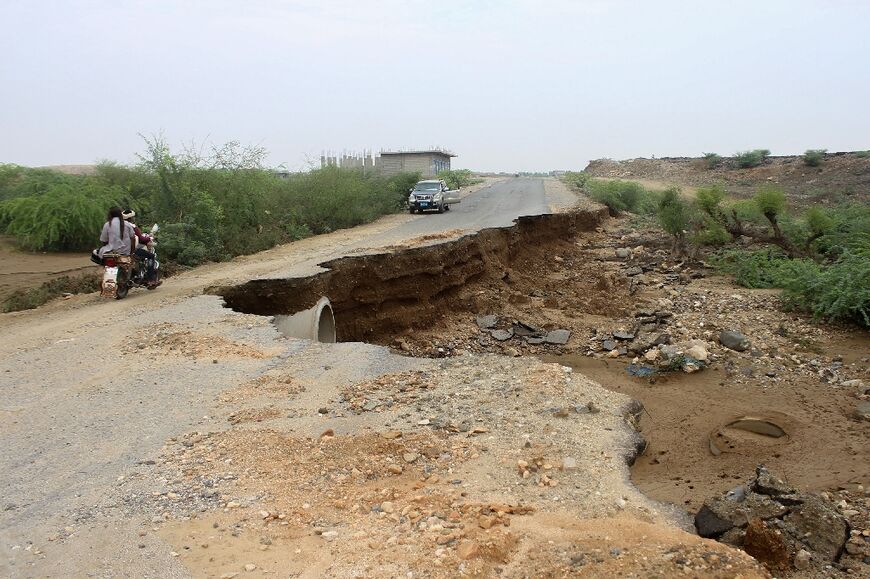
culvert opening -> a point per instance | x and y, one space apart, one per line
315 323
375 298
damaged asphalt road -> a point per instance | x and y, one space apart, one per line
97 395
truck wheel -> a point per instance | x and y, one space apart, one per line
411 210
441 208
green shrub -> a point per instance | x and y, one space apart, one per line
862 154
673 213
618 195
837 291
712 160
575 179
752 269
711 233
770 200
709 199
754 158
67 216
458 178
848 231
814 157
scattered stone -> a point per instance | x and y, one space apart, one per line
250 567
468 550
486 322
329 536
328 433
698 352
862 411
522 329
387 506
734 340
633 271
410 457
501 335
768 484
802 560
858 385
392 434
569 463
394 469
558 337
485 521
623 335
608 345
623 252
662 340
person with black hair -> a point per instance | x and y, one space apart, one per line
117 236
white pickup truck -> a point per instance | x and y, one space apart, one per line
432 195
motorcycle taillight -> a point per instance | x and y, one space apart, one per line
109 262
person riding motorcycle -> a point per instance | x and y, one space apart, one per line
117 236
141 252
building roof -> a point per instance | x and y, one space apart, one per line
420 152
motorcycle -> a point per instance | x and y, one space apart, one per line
121 273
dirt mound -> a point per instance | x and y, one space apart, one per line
522 489
840 176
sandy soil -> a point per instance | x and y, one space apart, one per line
22 269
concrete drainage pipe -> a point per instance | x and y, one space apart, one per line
316 323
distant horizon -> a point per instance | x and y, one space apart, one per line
511 85
773 155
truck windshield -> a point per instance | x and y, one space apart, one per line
427 187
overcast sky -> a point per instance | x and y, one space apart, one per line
507 85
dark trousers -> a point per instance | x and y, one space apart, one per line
147 258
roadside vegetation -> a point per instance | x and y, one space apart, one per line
458 178
819 257
210 207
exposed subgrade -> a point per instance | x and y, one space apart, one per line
382 295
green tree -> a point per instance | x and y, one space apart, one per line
673 216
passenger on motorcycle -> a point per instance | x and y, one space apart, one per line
142 253
117 235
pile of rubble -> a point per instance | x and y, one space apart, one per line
785 528
492 328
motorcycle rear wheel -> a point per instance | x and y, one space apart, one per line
123 285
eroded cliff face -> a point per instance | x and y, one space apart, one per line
387 293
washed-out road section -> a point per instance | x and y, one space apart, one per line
77 411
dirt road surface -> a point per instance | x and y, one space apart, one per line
131 443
